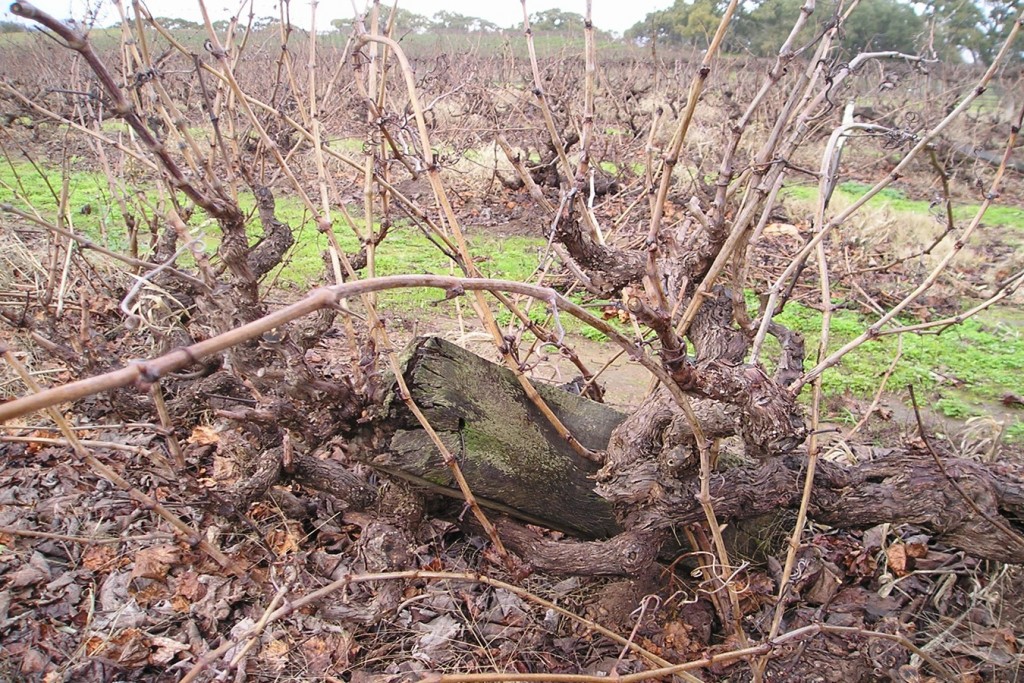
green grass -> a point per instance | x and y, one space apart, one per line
955 407
570 325
611 168
964 371
350 145
405 250
114 126
896 200
967 368
1015 432
90 205
984 358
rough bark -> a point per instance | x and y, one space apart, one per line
901 486
332 477
277 236
511 456
772 421
609 269
518 465
627 554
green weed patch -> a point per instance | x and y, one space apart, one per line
405 250
964 370
896 200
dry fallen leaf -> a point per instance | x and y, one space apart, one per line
224 470
33 661
758 591
204 435
284 540
677 636
434 643
316 655
129 648
787 230
99 557
180 604
150 594
917 550
154 563
274 654
899 559
165 650
190 587
27 575
34 447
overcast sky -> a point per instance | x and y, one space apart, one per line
610 15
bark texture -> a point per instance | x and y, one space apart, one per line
511 456
518 465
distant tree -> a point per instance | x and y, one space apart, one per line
956 27
406 21
261 23
450 20
686 22
410 22
874 25
1000 15
453 21
557 20
884 25
760 29
483 26
177 24
766 27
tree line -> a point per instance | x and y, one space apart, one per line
552 20
951 30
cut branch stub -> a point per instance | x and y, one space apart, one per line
509 454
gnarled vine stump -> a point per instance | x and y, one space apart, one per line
517 464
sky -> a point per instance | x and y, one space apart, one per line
609 15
